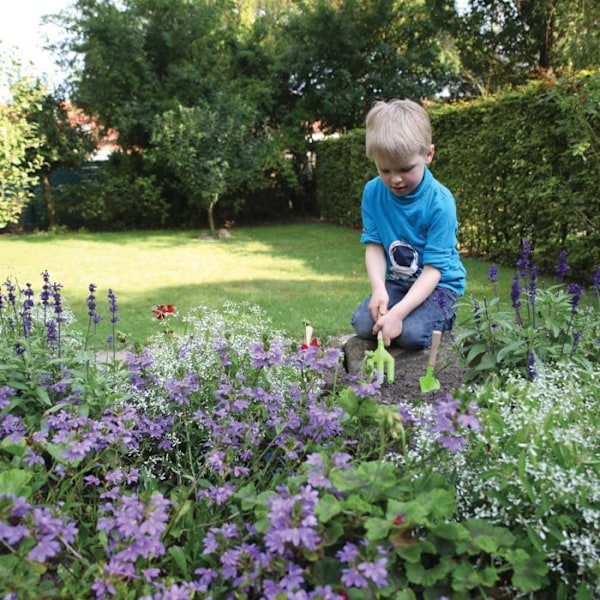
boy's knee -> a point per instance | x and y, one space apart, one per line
414 338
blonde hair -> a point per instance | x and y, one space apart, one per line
397 129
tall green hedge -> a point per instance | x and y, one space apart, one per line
521 165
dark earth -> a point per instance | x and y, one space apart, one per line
410 366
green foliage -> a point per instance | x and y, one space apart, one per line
110 196
339 189
17 168
211 149
525 165
535 469
542 327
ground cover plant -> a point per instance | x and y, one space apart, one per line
227 459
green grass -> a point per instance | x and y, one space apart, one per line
303 272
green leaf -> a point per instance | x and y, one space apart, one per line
486 537
179 557
509 349
377 529
357 505
450 531
16 449
247 494
418 574
529 571
14 481
412 553
329 506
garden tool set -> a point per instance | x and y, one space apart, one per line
428 382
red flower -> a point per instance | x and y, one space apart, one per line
399 520
162 311
313 342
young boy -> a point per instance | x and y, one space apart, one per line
409 232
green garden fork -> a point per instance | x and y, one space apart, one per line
380 360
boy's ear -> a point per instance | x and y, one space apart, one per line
429 154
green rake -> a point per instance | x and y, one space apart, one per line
381 361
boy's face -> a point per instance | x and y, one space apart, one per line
403 176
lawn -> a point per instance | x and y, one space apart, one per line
302 272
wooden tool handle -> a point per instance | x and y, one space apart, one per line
436 338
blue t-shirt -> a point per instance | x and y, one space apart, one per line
415 230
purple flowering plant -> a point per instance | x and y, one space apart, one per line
545 324
225 461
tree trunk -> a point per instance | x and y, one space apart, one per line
48 198
211 216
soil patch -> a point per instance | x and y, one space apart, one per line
410 366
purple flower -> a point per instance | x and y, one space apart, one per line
112 307
469 421
5 392
524 261
452 444
349 553
293 521
365 389
47 547
576 291
515 292
28 304
563 267
376 571
493 273
351 577
95 318
266 355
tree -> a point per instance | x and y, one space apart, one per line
64 139
501 43
211 148
338 57
135 59
17 171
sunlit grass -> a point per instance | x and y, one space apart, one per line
304 272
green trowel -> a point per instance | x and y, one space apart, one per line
428 381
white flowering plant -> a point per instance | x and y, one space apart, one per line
534 467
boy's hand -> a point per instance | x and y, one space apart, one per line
390 326
378 304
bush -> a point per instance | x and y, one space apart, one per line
112 198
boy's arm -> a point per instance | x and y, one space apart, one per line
376 270
421 289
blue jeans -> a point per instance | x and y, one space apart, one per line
437 312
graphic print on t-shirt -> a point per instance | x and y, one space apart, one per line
404 259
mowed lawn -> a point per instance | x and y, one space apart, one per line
308 272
